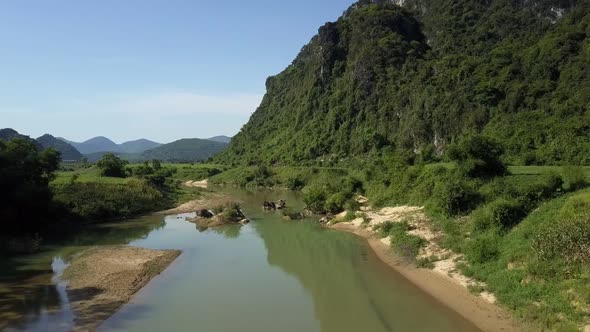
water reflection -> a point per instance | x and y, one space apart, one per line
351 289
32 296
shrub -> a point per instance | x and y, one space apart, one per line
455 195
478 156
405 244
295 183
574 178
335 203
575 207
315 198
567 240
111 165
502 214
484 248
97 201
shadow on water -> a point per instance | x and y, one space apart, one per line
32 296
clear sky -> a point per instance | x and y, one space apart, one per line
156 69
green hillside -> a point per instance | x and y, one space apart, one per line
188 149
68 152
416 78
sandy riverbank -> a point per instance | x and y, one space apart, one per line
102 279
443 283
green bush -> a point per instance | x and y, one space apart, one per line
113 166
98 201
567 240
478 156
335 203
576 207
455 195
502 214
484 248
315 198
405 244
574 178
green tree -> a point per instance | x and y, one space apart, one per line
478 156
25 199
112 166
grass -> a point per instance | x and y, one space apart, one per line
85 175
544 292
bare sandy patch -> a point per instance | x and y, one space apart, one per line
102 279
197 184
208 201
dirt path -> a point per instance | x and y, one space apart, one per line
102 279
444 282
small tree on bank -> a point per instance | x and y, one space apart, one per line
112 166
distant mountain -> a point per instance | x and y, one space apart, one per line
131 157
138 146
68 152
7 134
96 144
103 144
190 149
221 139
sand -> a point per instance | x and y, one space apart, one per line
102 279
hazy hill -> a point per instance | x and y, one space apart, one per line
96 144
68 152
137 146
221 139
190 149
103 144
416 78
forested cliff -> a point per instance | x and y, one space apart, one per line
418 76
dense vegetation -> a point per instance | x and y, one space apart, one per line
417 78
26 203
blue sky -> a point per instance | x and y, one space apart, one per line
161 70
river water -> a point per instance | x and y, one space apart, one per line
270 275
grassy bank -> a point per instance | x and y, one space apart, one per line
90 196
525 233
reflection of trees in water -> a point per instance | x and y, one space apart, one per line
26 286
349 291
31 293
228 231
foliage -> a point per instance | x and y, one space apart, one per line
478 156
568 240
112 166
26 201
425 77
405 244
455 195
574 178
100 201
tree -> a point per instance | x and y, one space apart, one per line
26 200
112 166
478 156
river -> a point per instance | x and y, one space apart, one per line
270 275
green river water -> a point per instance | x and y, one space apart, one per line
270 275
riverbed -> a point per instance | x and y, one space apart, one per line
270 275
